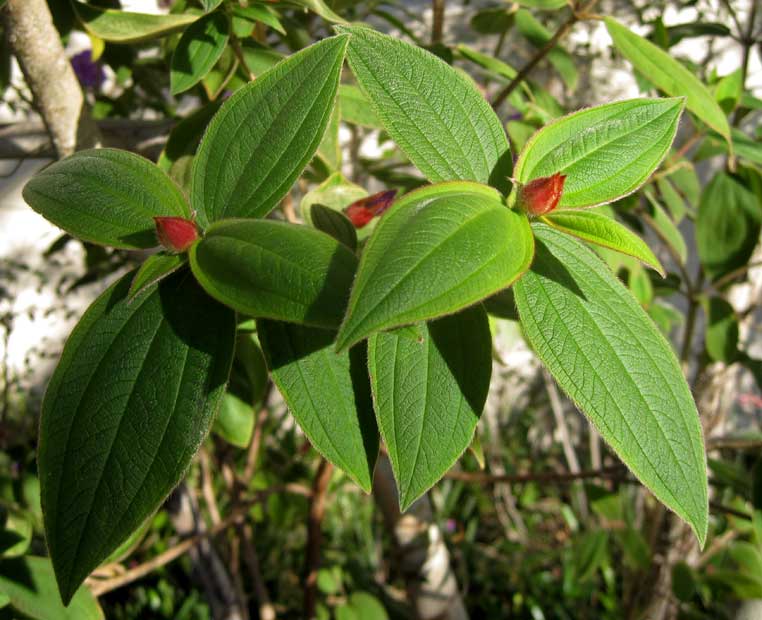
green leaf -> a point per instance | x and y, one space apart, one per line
429 394
668 75
127 27
672 199
721 330
260 13
155 268
265 134
328 394
210 5
437 250
355 108
605 152
448 137
127 407
543 5
334 223
198 51
666 228
320 8
609 357
329 150
729 90
275 270
177 157
234 421
106 196
727 225
30 585
604 231
539 36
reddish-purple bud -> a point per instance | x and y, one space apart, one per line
176 233
364 210
541 196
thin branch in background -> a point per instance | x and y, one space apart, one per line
740 271
315 535
733 443
748 42
238 51
252 453
250 556
480 477
437 21
557 408
207 487
564 28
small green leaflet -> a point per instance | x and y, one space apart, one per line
334 223
234 421
127 27
328 394
131 400
605 152
270 269
428 394
605 352
106 196
155 268
198 51
658 67
265 134
604 231
448 137
437 250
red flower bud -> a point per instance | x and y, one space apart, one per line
541 196
176 233
364 210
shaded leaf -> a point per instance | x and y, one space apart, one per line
198 51
127 27
155 268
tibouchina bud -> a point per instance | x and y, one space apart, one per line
176 234
541 196
364 210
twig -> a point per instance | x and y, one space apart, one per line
254 447
265 607
729 277
557 408
437 20
541 53
728 510
207 487
315 535
236 45
733 443
614 471
718 544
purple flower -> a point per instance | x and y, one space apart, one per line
89 73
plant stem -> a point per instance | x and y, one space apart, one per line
238 51
437 21
541 53
315 535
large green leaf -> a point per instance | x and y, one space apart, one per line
30 585
605 152
328 394
131 400
437 250
604 231
428 393
727 226
275 270
609 357
198 51
667 74
106 196
127 27
265 134
155 268
434 114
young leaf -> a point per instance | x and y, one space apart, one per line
669 75
437 250
155 268
666 228
328 394
106 196
265 134
609 357
133 396
604 231
234 421
334 223
320 8
30 586
727 226
127 27
198 51
428 395
453 137
721 330
275 270
605 152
